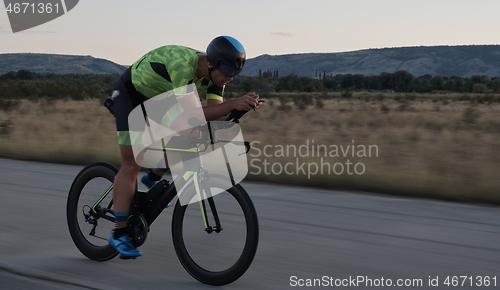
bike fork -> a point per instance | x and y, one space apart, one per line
203 209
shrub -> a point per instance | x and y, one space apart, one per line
5 127
347 94
470 115
404 106
384 109
410 97
9 105
319 103
284 106
302 101
479 88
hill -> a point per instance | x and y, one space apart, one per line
462 61
59 64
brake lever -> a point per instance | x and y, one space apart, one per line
248 146
260 101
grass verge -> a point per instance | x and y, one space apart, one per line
419 147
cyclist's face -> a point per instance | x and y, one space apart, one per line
221 79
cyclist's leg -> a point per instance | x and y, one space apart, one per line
124 185
125 181
123 192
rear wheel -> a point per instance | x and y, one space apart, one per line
89 211
217 257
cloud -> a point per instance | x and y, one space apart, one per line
287 34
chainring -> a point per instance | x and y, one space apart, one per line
138 229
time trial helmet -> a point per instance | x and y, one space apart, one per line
227 55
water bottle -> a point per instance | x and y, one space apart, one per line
109 103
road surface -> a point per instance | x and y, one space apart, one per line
308 237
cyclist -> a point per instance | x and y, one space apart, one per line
160 70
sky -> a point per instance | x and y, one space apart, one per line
123 30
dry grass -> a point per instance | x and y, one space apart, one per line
425 148
431 149
76 132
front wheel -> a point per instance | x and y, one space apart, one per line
89 211
219 255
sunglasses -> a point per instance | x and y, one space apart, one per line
228 70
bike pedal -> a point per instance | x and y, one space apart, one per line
123 257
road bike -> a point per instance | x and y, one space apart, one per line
215 238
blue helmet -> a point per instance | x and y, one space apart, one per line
227 55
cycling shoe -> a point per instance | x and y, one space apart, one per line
125 246
148 182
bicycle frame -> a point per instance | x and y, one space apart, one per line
193 172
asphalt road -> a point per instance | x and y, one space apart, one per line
305 234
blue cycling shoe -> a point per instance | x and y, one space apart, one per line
148 182
125 246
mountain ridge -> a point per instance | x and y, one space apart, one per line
459 60
462 61
58 64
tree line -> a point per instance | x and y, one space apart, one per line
26 84
400 81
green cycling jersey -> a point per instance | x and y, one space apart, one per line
170 67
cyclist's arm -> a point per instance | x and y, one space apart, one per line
216 108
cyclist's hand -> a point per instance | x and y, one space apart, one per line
247 102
